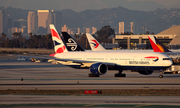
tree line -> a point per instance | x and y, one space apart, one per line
45 41
104 35
35 41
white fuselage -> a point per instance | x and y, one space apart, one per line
123 59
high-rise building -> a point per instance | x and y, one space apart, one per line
50 20
121 27
94 30
78 31
132 27
64 28
72 32
23 22
32 22
17 24
58 20
3 22
9 25
83 30
69 31
16 29
42 20
88 30
46 17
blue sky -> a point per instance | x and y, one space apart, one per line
81 5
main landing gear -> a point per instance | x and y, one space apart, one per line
93 75
119 74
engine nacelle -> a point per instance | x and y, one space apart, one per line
146 72
98 68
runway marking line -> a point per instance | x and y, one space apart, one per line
84 105
141 105
64 79
91 105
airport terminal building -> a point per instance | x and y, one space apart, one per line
169 37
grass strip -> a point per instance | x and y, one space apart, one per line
125 92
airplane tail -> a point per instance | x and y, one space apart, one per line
59 46
71 43
156 45
94 44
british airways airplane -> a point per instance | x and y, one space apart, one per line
99 62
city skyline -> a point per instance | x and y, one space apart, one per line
97 19
38 22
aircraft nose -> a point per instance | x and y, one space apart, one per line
168 62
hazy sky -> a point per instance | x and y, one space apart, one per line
163 2
80 5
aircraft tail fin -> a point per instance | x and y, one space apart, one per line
59 46
94 44
71 43
156 45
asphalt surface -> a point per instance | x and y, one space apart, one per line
46 76
44 99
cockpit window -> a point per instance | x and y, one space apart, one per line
166 58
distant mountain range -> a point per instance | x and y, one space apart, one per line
81 5
154 21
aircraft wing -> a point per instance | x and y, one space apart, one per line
84 63
47 57
33 57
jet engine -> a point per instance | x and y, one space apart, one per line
146 72
98 68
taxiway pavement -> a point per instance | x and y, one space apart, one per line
48 76
93 100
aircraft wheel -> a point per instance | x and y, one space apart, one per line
116 75
93 75
119 75
96 75
123 75
89 75
160 76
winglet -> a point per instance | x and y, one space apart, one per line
94 44
59 46
156 45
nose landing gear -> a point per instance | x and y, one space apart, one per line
161 73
